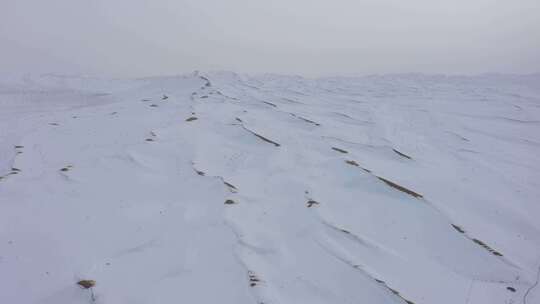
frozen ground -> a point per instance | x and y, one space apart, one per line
232 189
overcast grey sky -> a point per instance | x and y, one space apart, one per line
308 37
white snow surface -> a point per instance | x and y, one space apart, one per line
378 189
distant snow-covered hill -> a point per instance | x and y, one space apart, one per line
231 189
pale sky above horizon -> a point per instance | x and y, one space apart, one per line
307 37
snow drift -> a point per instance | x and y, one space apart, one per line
226 188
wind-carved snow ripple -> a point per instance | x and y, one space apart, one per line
257 179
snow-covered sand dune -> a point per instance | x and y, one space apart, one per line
226 188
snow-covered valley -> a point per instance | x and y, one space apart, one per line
232 189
